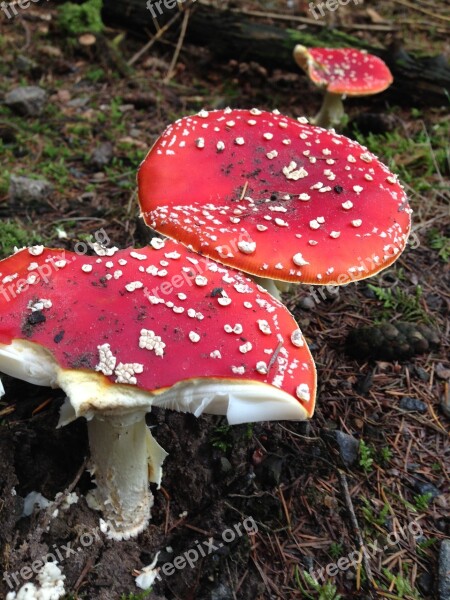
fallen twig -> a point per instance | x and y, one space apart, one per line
423 10
154 39
355 524
304 20
176 54
158 35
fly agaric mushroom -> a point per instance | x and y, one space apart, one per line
160 326
276 198
341 72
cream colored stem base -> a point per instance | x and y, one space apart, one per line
119 464
331 112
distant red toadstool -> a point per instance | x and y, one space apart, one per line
341 72
132 329
274 197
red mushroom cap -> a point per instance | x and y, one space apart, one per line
274 197
344 70
162 320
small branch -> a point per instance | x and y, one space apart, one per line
87 567
154 39
423 10
354 521
303 20
274 356
171 71
158 35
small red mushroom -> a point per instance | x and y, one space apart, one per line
341 72
274 197
126 330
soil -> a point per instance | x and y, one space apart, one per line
289 478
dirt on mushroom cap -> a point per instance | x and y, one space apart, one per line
274 197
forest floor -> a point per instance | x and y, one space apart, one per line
311 507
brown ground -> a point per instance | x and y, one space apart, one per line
288 477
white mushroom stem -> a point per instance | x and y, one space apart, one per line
273 286
331 111
284 286
268 284
123 456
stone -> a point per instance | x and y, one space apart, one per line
78 102
225 465
221 592
348 447
425 583
102 155
28 100
25 189
442 372
269 470
445 402
25 64
424 487
413 404
422 374
307 303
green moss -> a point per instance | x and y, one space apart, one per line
365 457
399 301
140 596
400 584
76 19
326 591
95 74
420 159
439 242
221 438
12 235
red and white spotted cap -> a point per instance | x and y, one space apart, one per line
274 197
344 70
156 326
